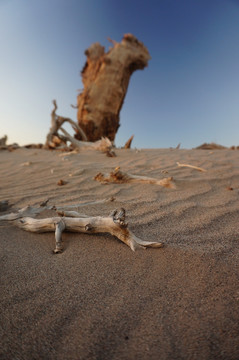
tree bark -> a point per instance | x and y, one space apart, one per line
106 78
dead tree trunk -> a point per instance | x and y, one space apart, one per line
106 78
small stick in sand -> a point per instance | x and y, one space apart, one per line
118 177
191 166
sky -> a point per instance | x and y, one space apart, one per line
188 94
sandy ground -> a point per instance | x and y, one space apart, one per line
100 300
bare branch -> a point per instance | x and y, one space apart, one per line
52 139
191 166
118 177
114 224
103 145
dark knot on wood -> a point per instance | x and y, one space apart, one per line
88 227
119 217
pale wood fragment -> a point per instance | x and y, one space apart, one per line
53 139
68 153
60 227
113 224
56 140
27 163
104 144
118 177
191 166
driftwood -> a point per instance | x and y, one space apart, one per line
105 77
104 144
191 167
55 139
113 224
118 177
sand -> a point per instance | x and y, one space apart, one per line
100 300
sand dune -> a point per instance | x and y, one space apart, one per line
98 299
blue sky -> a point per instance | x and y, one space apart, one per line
189 93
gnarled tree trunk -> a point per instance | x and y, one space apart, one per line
106 78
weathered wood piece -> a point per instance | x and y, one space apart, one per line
105 77
53 138
191 167
118 177
104 144
113 224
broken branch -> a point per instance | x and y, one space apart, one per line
113 224
118 177
191 166
53 139
103 145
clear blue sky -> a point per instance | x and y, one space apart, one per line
189 93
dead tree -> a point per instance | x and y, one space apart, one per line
106 78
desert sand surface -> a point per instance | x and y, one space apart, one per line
99 299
